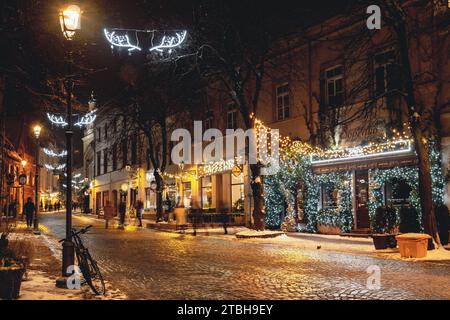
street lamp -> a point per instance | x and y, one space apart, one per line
69 18
37 133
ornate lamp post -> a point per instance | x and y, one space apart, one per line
69 18
37 133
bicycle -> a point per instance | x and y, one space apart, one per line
88 266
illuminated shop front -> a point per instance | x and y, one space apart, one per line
354 182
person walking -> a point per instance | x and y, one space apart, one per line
139 211
122 210
29 212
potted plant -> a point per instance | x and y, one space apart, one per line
379 237
11 270
383 228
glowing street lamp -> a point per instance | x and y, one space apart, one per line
37 131
70 20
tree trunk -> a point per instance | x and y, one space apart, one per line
420 140
159 196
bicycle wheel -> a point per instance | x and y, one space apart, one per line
92 274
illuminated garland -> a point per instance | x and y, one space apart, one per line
342 216
52 153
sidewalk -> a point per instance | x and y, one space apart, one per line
39 282
44 269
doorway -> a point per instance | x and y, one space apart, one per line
362 199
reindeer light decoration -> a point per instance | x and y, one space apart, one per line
120 38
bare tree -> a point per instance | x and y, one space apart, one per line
157 100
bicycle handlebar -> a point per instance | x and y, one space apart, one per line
74 232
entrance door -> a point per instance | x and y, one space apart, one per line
98 202
362 199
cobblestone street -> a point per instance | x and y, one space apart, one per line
146 264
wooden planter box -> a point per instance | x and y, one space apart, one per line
413 245
328 229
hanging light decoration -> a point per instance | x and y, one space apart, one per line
56 120
55 168
87 119
52 153
123 38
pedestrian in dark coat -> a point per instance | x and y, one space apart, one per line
122 210
29 212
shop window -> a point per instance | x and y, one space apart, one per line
329 195
150 198
187 196
282 101
237 192
397 192
206 192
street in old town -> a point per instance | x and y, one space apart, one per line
243 156
148 264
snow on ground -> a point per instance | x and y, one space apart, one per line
40 281
259 234
40 287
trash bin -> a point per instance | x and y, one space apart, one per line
413 245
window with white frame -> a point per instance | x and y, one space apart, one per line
231 116
334 86
283 111
386 72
